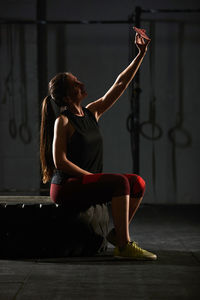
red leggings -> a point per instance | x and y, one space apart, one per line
82 192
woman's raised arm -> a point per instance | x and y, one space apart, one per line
101 105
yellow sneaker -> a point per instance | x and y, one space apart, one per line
133 251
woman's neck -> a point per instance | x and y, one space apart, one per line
74 108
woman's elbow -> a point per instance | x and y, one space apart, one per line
121 84
60 163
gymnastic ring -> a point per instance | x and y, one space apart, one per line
12 128
171 135
129 123
25 133
155 127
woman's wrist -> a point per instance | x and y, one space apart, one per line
86 173
142 53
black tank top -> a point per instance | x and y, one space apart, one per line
85 147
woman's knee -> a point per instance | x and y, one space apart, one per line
139 187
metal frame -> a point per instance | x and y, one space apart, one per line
135 95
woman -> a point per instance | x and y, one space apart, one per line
71 155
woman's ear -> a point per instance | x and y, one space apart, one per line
65 99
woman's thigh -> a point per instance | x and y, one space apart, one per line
90 189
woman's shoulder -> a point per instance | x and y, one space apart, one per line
63 127
61 121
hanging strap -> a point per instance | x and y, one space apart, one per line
178 128
132 122
24 130
9 82
156 131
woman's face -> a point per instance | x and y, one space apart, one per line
76 89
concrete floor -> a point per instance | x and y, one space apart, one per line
171 232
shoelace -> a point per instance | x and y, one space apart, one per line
135 244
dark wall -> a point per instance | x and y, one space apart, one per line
97 53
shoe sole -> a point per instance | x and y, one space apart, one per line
135 258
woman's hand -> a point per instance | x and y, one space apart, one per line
141 44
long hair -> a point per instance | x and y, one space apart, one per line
57 90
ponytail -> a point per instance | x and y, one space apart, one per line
57 87
46 139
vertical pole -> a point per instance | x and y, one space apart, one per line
61 61
136 106
41 49
41 57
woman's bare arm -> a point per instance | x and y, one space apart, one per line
99 106
60 149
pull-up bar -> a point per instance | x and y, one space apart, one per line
128 21
170 10
46 22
